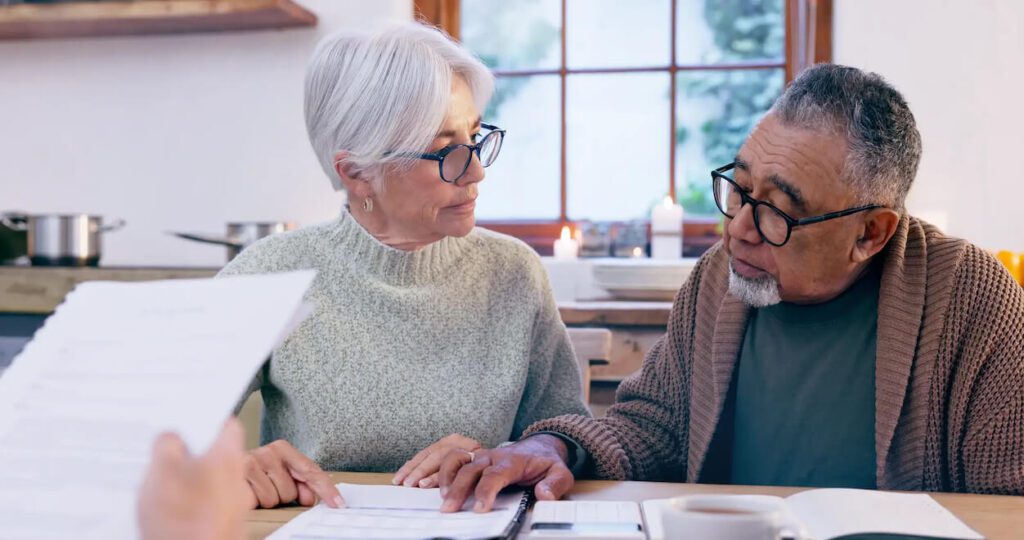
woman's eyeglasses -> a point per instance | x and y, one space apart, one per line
453 160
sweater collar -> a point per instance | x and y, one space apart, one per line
431 263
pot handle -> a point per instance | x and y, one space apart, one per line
209 239
117 224
16 222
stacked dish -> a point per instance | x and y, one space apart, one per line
642 278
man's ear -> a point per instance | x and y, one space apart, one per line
878 227
352 181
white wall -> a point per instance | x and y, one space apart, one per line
183 132
960 64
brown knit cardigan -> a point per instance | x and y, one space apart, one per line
949 377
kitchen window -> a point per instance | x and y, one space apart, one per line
612 105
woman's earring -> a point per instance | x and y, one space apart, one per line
368 205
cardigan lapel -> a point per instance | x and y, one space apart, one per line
900 307
712 376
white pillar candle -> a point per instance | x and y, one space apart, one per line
667 230
566 247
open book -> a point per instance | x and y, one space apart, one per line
836 513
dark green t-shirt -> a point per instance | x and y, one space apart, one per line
805 393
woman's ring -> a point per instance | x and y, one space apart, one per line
472 456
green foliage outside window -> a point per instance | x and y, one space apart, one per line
742 30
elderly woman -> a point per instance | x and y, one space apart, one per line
428 333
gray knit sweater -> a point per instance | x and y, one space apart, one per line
462 336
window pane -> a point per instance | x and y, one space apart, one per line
524 181
722 31
513 34
715 112
618 143
613 33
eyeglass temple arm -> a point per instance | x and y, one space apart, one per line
834 215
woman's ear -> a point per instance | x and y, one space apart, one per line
354 184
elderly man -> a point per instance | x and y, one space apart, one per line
829 340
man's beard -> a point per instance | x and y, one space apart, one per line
755 292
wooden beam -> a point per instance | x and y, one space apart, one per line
443 14
808 34
822 31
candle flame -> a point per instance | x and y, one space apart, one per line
638 252
566 235
668 202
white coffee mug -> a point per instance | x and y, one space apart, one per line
728 517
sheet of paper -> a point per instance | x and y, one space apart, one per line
398 512
830 513
115 365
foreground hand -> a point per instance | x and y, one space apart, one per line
279 474
201 497
421 470
539 460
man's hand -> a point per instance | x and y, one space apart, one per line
200 497
539 460
279 474
421 470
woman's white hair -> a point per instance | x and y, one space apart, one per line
387 91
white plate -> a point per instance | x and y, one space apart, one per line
643 294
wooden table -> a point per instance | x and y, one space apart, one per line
996 517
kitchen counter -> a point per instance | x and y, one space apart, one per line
26 289
33 292
30 289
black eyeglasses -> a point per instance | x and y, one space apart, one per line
774 225
453 160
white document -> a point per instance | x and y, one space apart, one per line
399 512
115 365
834 513
584 520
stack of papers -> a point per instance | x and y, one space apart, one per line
402 512
117 364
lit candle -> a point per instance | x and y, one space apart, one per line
667 230
566 247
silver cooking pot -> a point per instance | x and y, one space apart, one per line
62 239
240 235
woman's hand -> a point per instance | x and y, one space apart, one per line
279 474
202 497
421 470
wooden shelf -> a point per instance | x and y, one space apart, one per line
138 17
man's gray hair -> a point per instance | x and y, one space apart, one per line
386 91
884 144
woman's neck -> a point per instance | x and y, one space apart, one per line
386 233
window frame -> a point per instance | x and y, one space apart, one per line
808 41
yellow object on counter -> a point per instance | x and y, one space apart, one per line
1014 263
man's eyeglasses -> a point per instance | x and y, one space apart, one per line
453 160
774 225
